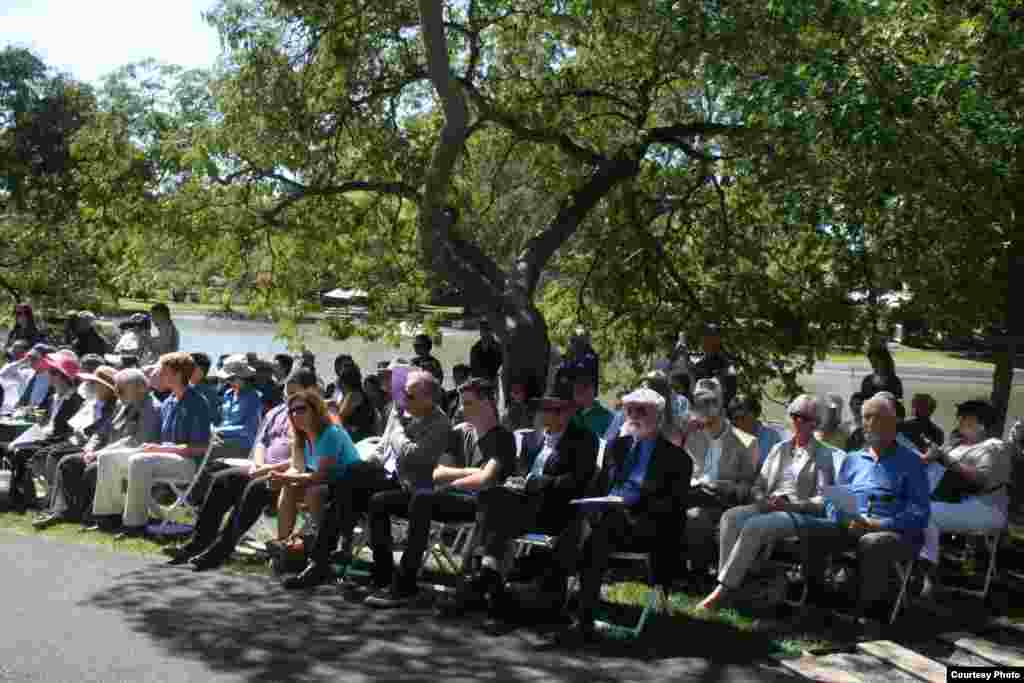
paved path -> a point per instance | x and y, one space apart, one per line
884 661
79 614
918 374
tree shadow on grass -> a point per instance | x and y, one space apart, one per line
249 626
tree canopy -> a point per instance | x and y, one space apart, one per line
637 167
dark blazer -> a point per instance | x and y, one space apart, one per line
61 429
667 482
661 507
566 473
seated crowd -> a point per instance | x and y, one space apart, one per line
694 478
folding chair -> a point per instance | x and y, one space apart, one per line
990 538
657 601
904 570
181 488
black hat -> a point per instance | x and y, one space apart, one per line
712 330
559 393
422 340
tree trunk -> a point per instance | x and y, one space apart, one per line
1002 383
525 348
1006 357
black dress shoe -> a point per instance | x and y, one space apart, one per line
313 575
211 559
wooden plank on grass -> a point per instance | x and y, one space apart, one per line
1006 623
814 669
905 660
999 654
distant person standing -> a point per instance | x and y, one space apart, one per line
485 356
883 376
86 339
581 354
714 363
25 328
167 339
422 345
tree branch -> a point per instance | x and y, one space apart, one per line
573 211
561 140
435 220
304 192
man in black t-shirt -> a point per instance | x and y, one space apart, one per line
486 452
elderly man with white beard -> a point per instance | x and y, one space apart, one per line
642 490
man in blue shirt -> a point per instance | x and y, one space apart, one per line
890 489
184 436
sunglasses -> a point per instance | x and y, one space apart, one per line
800 418
297 410
637 410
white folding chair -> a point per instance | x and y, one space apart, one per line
181 488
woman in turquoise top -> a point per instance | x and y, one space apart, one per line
321 453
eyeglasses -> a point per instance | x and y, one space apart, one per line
297 410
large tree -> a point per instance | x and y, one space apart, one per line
40 115
915 128
476 144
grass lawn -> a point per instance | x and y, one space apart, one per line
910 357
789 633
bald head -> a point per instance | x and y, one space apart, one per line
880 422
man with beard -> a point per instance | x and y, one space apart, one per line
642 491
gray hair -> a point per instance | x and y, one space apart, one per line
417 376
883 398
132 377
832 416
806 405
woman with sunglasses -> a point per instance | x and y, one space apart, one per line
789 484
321 453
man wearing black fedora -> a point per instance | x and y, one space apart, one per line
556 467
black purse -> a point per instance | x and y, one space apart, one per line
954 487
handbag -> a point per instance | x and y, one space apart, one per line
954 487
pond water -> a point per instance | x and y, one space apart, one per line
217 336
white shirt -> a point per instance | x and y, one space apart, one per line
550 444
791 471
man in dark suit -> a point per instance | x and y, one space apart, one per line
557 469
643 486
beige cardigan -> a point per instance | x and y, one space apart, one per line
735 467
816 472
